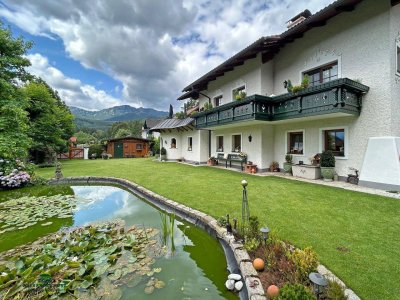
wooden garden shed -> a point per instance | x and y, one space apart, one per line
128 147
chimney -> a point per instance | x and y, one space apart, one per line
298 19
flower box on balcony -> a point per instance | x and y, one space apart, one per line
306 171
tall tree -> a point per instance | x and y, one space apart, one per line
171 112
51 124
14 139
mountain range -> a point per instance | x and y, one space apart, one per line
104 118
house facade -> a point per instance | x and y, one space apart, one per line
350 51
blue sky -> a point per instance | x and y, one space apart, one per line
54 50
102 53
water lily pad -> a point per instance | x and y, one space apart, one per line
159 284
47 223
149 290
117 275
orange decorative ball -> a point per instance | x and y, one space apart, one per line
272 291
258 264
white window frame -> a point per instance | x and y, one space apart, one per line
221 97
346 140
241 142
287 142
216 143
397 67
188 144
238 87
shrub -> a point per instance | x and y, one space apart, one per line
96 149
222 221
327 159
305 82
274 166
14 173
335 291
251 244
289 158
295 292
180 115
15 179
38 180
305 261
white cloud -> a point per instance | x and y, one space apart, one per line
72 91
155 48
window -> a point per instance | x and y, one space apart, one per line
239 93
139 147
173 143
398 58
218 101
334 140
220 144
236 143
295 142
190 143
323 74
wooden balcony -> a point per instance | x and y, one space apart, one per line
338 96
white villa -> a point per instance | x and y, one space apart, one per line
351 52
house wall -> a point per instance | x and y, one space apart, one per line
147 135
313 141
199 152
172 153
267 78
357 58
249 74
347 40
394 79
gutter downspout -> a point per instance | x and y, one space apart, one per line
209 143
209 99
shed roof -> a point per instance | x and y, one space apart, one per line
128 138
270 45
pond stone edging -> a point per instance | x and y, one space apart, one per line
254 291
250 276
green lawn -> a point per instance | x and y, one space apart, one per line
305 214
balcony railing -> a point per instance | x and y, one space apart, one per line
337 96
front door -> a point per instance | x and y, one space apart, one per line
118 150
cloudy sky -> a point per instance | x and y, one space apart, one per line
103 53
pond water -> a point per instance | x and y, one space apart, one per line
194 267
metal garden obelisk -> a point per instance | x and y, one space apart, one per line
245 207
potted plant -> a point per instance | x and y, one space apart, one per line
163 153
274 167
327 165
212 161
240 95
287 165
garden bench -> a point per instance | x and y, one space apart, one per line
236 158
232 158
223 158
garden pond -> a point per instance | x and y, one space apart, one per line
103 242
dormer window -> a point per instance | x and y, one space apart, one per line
323 74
